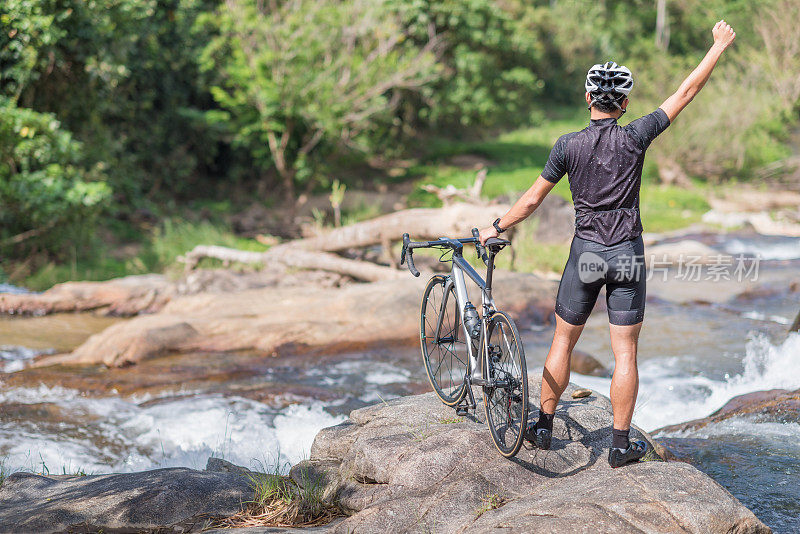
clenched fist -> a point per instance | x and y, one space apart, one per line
723 34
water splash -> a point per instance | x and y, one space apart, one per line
114 434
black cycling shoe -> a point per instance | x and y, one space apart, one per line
619 457
540 438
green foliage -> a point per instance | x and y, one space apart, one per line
46 189
487 61
516 158
307 78
111 108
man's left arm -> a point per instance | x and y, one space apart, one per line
522 208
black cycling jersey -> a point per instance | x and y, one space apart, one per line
604 165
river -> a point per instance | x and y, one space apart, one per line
693 358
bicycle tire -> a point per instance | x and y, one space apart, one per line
445 363
506 407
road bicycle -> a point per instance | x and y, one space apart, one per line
462 348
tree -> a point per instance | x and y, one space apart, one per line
304 77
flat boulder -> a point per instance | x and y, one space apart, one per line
683 252
125 296
275 319
410 465
174 499
586 364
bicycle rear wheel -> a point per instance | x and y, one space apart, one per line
507 403
444 352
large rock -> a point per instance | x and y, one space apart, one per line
122 296
270 320
176 499
409 466
778 405
683 252
586 364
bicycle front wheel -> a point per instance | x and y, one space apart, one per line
444 347
506 402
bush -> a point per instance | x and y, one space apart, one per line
49 195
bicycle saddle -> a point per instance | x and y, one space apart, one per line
495 243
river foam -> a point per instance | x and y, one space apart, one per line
114 434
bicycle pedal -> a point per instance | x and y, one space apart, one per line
462 411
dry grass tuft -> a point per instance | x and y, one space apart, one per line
280 502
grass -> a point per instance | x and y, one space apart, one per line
450 420
156 251
279 501
491 501
668 207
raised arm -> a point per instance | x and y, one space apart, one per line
723 37
522 208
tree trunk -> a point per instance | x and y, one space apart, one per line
662 25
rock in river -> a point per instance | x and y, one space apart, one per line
132 502
777 405
122 296
409 466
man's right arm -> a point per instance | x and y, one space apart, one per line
723 37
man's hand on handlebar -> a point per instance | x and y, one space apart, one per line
487 233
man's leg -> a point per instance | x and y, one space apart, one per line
625 382
624 387
556 368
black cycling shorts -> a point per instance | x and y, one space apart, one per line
593 265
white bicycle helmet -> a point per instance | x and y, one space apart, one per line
609 82
609 78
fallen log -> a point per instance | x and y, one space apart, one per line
450 194
287 256
315 252
421 223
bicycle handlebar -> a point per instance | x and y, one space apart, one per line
408 246
480 249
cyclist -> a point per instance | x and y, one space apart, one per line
604 165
